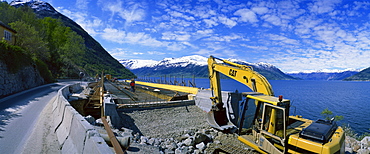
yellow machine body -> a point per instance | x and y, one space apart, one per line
262 120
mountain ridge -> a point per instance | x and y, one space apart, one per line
363 75
324 75
195 65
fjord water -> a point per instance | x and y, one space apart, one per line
347 98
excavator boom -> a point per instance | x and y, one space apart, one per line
241 73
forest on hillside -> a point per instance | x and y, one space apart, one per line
48 42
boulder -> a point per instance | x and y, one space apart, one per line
200 137
90 119
363 151
189 142
366 141
143 140
201 146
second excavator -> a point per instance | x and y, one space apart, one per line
261 120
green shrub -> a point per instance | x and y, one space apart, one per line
14 57
44 71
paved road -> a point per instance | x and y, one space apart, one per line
19 114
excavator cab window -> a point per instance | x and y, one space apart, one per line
274 124
267 118
247 115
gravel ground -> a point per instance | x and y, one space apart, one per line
167 122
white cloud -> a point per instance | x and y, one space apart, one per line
119 36
131 12
227 21
283 39
118 52
272 19
202 11
225 38
179 36
190 45
125 53
91 24
82 4
260 10
114 35
181 15
174 46
246 15
205 32
137 53
156 53
324 6
203 52
305 24
211 22
254 47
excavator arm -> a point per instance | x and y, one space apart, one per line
241 73
244 74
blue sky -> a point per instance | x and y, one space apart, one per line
294 35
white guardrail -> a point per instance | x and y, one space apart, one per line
74 133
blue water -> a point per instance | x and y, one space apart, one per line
347 98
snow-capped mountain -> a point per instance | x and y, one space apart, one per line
135 64
193 65
35 5
197 65
181 62
167 62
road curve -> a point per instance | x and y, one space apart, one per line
19 114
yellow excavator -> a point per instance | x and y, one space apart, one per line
261 120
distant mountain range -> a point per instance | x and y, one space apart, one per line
364 75
196 65
324 75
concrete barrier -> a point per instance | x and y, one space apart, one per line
74 133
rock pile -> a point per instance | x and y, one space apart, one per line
354 146
194 142
190 142
206 141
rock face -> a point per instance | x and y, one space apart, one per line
26 78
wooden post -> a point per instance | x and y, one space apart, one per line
117 147
102 113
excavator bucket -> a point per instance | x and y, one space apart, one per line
218 120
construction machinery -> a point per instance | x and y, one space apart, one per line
261 120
